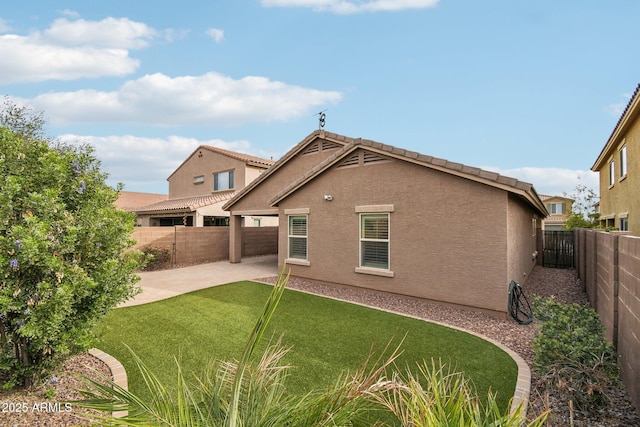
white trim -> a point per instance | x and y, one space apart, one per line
374 208
375 271
623 215
295 261
298 211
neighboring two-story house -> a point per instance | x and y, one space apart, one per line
619 167
199 187
559 209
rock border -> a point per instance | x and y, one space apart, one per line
118 373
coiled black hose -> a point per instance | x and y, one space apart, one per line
519 307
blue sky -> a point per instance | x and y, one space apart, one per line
528 89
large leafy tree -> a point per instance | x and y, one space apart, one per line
583 211
63 248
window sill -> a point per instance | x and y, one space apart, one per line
375 271
622 178
295 261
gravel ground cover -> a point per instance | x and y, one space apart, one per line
44 405
563 284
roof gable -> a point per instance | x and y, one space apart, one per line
325 140
627 118
522 189
249 160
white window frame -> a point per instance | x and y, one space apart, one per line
362 268
295 259
230 180
623 162
553 208
612 173
624 223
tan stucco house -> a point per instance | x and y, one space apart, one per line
360 213
559 209
199 187
619 168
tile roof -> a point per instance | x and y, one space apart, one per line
189 204
132 200
545 197
524 189
246 158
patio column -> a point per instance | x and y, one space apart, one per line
235 238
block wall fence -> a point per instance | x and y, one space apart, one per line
608 265
198 245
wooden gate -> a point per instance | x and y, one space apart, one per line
558 249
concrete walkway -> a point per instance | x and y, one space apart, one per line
158 285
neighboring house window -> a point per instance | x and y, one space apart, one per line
256 222
612 173
623 161
198 179
223 181
557 208
374 240
624 224
298 236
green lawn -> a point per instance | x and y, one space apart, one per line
326 337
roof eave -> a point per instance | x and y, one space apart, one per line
631 111
511 185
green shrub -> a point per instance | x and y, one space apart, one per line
63 258
156 258
571 354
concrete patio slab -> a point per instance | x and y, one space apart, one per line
159 285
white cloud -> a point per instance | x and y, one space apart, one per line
551 181
69 50
212 98
216 34
143 164
118 33
350 6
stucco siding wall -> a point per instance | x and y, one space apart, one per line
624 196
521 241
447 234
181 182
283 177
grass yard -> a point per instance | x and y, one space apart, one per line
326 337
